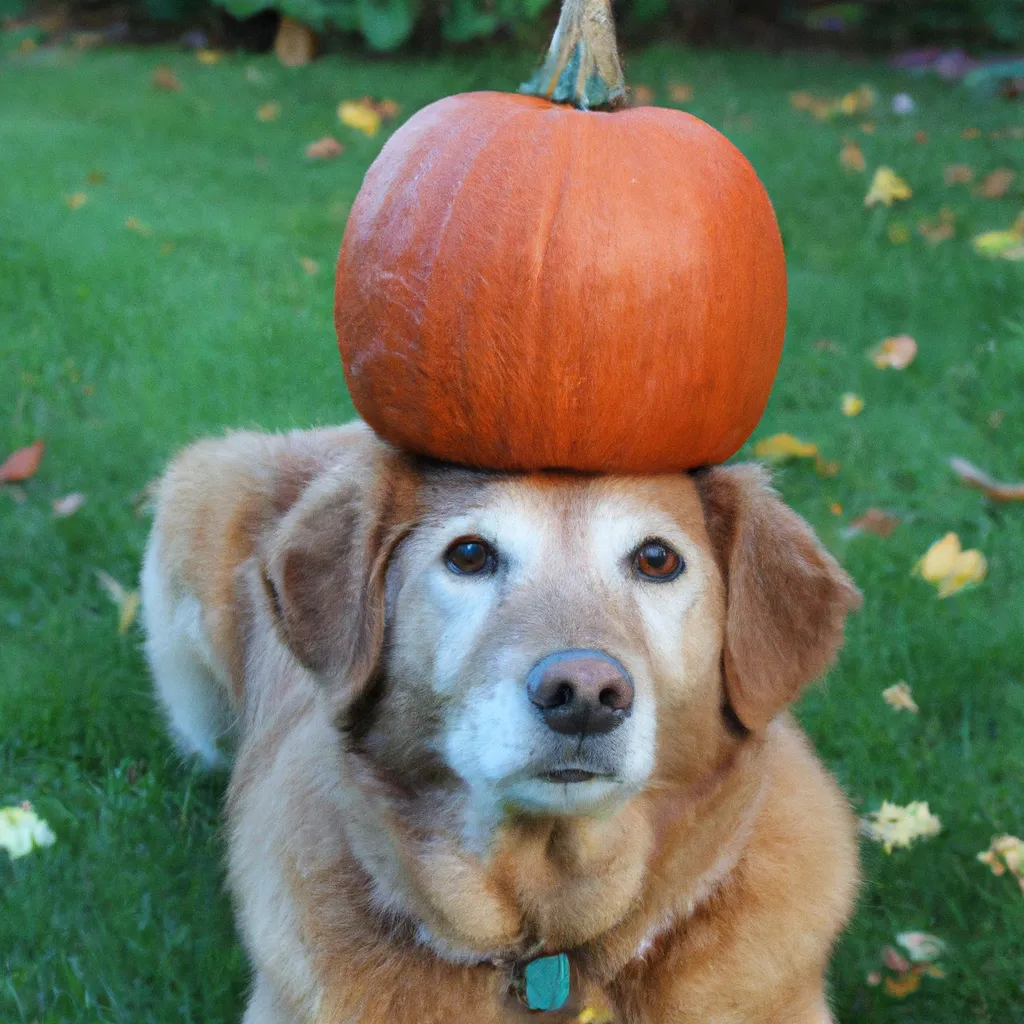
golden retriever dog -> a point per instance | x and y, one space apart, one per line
479 720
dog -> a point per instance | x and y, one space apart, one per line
482 721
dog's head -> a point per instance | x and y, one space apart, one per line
552 643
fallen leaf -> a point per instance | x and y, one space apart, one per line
970 133
852 405
326 148
825 345
996 184
165 79
898 696
938 229
680 92
387 109
1005 853
894 826
899 233
134 224
887 187
166 248
825 468
784 446
895 353
295 43
959 174
868 127
970 475
269 111
875 521
208 56
311 267
127 601
800 100
22 464
951 568
95 177
922 947
68 505
921 137
76 200
595 1015
27 45
835 508
22 831
360 115
851 156
903 986
1007 245
643 95
861 99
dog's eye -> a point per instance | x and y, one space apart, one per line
655 560
470 556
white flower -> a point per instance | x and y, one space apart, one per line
22 830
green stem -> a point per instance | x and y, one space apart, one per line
582 66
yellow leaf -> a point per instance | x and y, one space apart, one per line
895 353
595 1015
894 826
269 111
680 92
76 200
360 115
887 187
835 508
998 243
951 568
784 446
853 405
22 831
208 56
899 233
1005 853
129 609
903 986
898 696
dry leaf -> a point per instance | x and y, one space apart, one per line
22 831
894 826
959 174
970 133
387 109
165 79
134 224
887 187
875 521
868 127
921 947
951 568
95 177
938 229
899 233
127 601
68 505
22 464
1007 245
76 200
895 353
970 475
295 43
680 92
835 508
903 986
311 267
852 405
851 156
360 115
208 56
595 1015
784 446
1005 853
898 696
643 95
996 184
800 100
326 148
269 111
825 469
921 137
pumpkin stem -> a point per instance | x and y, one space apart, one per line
582 66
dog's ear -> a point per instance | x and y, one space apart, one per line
323 568
787 597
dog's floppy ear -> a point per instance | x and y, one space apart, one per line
324 566
787 597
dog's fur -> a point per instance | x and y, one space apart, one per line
394 855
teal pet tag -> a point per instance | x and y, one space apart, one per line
547 982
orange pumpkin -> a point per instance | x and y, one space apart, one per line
523 285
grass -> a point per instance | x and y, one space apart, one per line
118 347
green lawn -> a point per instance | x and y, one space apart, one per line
118 347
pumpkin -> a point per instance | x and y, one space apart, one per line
530 284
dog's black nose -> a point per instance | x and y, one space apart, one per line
581 692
